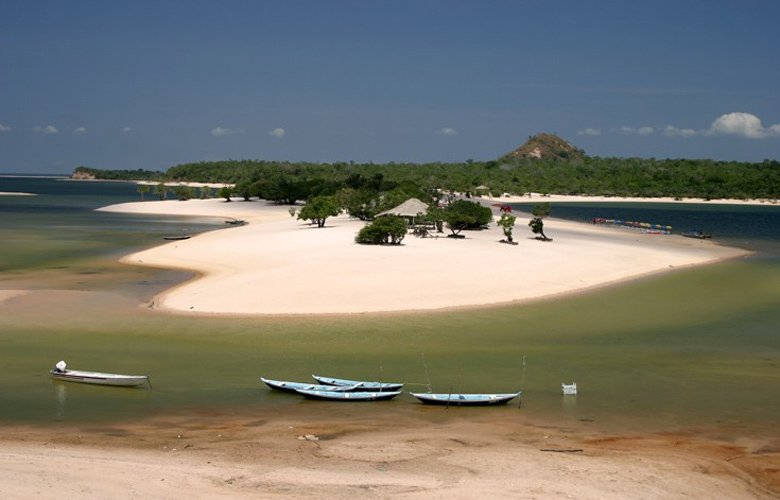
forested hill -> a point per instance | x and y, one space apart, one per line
544 164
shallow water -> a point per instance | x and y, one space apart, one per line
693 349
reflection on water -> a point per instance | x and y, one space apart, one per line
60 396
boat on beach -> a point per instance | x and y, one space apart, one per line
176 238
292 387
353 396
360 385
454 399
61 372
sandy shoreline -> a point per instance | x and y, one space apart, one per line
560 198
485 456
308 270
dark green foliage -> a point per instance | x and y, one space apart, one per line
120 175
537 223
184 193
384 230
226 192
463 214
318 209
161 190
286 182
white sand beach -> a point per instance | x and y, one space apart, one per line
562 198
280 265
282 458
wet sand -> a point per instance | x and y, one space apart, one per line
449 453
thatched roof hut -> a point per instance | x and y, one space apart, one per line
409 209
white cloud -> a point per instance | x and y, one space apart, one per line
643 131
220 131
589 131
48 129
447 131
3 128
278 133
671 131
743 125
79 130
126 129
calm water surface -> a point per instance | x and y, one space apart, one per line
694 349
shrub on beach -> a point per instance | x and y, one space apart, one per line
384 230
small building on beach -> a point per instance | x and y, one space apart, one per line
410 210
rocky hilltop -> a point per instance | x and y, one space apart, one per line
547 147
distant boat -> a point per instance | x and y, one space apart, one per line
701 235
360 385
61 372
287 386
569 389
353 396
182 237
465 399
236 222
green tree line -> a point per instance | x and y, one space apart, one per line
358 183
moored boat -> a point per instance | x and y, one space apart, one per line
287 386
465 399
61 372
354 396
360 385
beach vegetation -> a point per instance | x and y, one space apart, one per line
507 224
226 192
245 189
464 214
318 209
161 190
537 222
143 189
384 230
184 192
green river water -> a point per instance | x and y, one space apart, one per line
693 349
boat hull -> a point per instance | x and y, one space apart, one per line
353 397
465 399
292 387
360 385
97 378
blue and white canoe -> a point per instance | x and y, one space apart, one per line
465 399
287 386
360 385
354 396
61 372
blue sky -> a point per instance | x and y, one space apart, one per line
150 84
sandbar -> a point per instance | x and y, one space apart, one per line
280 265
563 198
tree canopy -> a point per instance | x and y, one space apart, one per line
318 209
464 214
